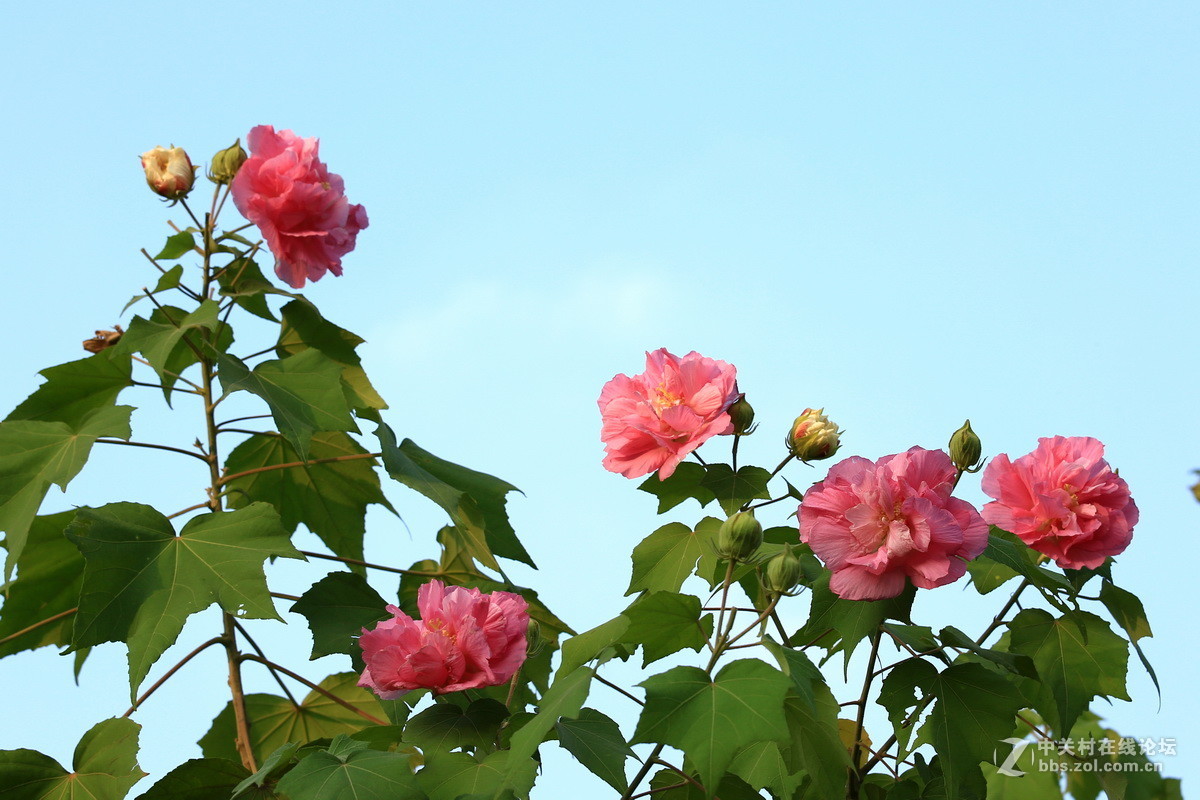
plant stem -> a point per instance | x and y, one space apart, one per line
271 667
647 765
616 688
153 446
36 625
166 675
240 719
369 565
318 689
293 464
855 778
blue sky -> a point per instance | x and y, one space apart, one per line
906 213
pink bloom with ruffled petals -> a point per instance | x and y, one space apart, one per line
297 203
1064 500
654 420
876 524
465 639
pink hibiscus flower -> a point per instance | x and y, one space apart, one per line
465 639
654 420
297 203
876 524
1064 500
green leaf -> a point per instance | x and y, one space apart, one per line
903 688
804 674
168 280
359 774
279 762
330 499
474 500
172 337
36 454
49 575
243 281
711 718
836 624
665 623
1127 610
578 650
200 779
564 699
1005 548
177 245
74 390
458 776
974 711
337 608
1077 656
1015 663
444 726
104 768
761 766
918 637
141 582
276 721
1035 784
303 327
664 559
733 490
303 391
665 785
596 741
814 743
988 575
683 484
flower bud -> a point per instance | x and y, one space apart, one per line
739 536
965 449
741 414
533 637
813 437
226 163
169 172
782 572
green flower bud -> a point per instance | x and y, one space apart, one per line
813 437
739 536
966 449
226 163
782 572
742 415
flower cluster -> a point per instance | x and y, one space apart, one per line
297 203
654 420
465 639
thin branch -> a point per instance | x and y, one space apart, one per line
205 504
643 772
318 689
240 721
154 447
250 641
369 565
189 292
293 464
183 338
687 778
36 625
660 789
167 675
855 776
163 388
283 596
174 375
614 687
243 419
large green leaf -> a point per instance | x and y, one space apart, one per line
351 770
337 608
304 327
170 339
667 784
711 718
474 500
975 709
814 744
1077 657
458 776
275 721
1127 610
329 499
685 482
564 699
735 489
303 392
74 390
104 768
666 622
443 726
141 581
243 281
37 453
203 779
578 650
49 574
836 624
903 688
761 766
664 559
596 741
